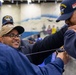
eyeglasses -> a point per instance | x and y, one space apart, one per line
12 35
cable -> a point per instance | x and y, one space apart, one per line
57 50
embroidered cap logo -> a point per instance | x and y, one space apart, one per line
62 8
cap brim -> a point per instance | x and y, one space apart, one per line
64 16
20 29
7 22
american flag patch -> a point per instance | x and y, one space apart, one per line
74 5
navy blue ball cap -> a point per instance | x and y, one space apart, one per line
7 19
67 8
31 39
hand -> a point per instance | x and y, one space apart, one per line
64 56
72 28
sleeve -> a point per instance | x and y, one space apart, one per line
54 68
48 43
70 42
3 67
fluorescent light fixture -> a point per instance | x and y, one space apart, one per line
21 0
33 0
2 1
45 0
9 0
38 1
29 1
12 1
56 1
